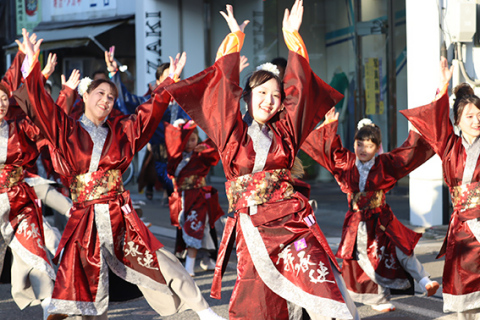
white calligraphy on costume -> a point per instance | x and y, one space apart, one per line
303 265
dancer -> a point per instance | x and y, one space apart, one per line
104 232
284 261
21 226
194 206
376 248
461 171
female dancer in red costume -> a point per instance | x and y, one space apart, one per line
376 248
193 205
461 171
104 232
284 261
21 226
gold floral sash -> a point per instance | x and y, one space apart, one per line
96 185
190 182
466 196
258 188
366 200
10 176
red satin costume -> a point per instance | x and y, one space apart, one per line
284 261
384 231
461 274
104 231
192 202
21 216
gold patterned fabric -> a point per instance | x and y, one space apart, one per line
96 185
190 182
10 176
466 196
258 188
366 200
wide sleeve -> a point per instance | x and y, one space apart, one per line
174 141
66 99
41 109
13 77
210 155
212 99
140 126
410 155
308 98
433 123
325 147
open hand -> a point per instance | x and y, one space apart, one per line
445 72
112 65
50 65
177 64
73 80
243 63
29 45
293 20
232 22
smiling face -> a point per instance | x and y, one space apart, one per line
365 150
99 102
470 122
264 101
4 103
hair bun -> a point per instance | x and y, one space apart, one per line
462 90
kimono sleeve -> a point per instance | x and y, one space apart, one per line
410 155
212 99
66 99
308 98
325 147
433 123
13 77
52 121
141 125
210 155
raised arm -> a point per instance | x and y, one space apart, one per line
68 94
325 146
141 125
308 98
36 102
212 97
433 120
409 156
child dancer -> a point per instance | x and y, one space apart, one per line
284 261
377 250
194 206
461 171
104 232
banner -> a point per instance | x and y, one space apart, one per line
28 14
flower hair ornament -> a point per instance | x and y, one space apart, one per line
364 122
182 124
83 85
270 67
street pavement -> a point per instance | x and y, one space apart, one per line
332 206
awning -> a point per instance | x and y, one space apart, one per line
69 37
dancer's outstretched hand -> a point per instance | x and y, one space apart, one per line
73 80
330 116
293 20
445 72
112 65
29 47
177 64
232 22
243 63
50 65
21 46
